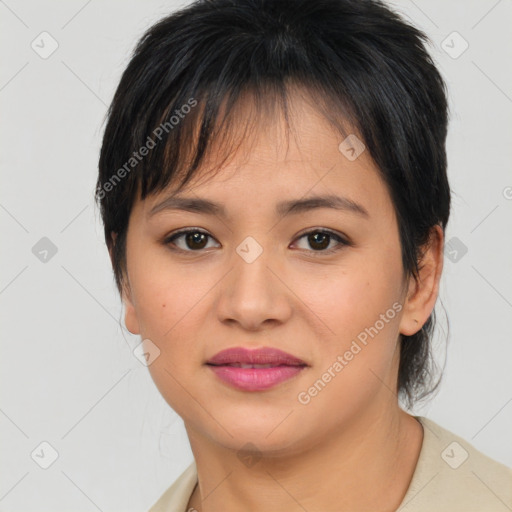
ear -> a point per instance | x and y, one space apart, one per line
130 317
422 292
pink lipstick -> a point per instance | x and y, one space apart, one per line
255 369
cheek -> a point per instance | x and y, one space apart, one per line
351 297
358 363
361 306
171 305
164 294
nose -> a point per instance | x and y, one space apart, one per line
253 294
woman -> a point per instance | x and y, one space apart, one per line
274 193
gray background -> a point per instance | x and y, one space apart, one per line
68 375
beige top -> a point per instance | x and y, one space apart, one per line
450 476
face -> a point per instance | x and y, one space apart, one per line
322 283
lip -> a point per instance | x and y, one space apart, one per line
232 366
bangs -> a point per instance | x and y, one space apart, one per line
212 131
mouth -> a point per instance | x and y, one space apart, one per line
247 365
256 369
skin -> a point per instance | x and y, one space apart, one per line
351 448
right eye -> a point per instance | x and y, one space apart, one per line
192 240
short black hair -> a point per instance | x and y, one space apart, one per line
362 65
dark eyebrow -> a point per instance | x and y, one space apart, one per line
330 201
283 208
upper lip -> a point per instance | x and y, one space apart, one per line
264 355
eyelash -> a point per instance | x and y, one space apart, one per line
341 241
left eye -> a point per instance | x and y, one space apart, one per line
320 240
194 240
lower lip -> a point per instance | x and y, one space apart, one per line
255 379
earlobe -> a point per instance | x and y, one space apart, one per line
422 292
130 315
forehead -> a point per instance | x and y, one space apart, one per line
283 159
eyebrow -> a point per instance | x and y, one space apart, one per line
283 208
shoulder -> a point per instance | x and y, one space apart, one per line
452 475
177 496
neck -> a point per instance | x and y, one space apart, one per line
367 465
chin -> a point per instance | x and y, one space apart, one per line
269 435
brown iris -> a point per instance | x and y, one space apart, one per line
321 239
196 237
